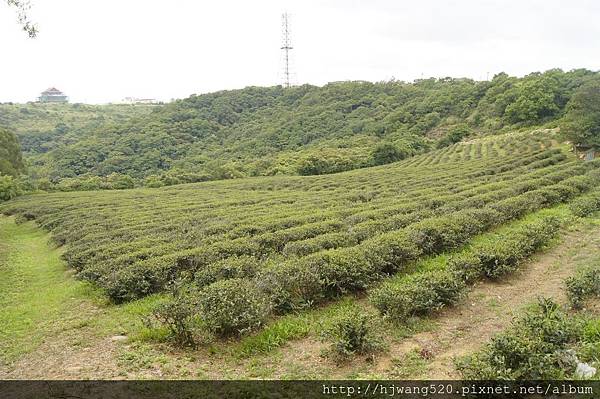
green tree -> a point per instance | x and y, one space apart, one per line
11 160
387 153
535 99
8 188
116 181
581 123
456 134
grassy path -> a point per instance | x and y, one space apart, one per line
49 320
36 293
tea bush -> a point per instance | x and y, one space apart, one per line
232 307
585 284
535 347
232 267
354 332
586 204
180 315
417 294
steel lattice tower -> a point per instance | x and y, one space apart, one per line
286 47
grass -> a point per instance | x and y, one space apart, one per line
37 295
411 364
288 328
40 299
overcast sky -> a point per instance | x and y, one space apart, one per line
104 50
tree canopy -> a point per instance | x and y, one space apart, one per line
582 120
11 160
260 131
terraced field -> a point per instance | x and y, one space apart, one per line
280 244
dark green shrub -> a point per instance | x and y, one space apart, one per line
232 307
386 153
233 267
8 188
498 258
566 191
302 282
131 283
533 348
354 332
389 252
537 234
315 244
585 205
290 286
465 266
179 315
417 294
502 254
513 208
342 270
434 235
584 284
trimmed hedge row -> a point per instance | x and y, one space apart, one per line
586 204
425 292
85 243
503 253
417 294
377 222
330 270
303 282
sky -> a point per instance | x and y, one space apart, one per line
100 51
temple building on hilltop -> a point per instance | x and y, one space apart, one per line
53 95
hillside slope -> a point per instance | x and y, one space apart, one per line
303 130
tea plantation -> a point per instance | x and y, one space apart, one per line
251 249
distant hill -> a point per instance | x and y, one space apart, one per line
272 130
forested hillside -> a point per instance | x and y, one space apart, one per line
271 130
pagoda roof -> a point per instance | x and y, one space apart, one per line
52 90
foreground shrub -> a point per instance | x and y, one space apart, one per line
390 251
179 315
354 332
232 307
301 283
535 347
585 205
129 283
498 258
585 284
417 294
290 286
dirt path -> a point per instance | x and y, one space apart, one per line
462 329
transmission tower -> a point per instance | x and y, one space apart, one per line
286 47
